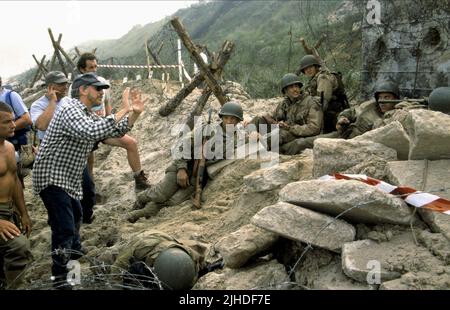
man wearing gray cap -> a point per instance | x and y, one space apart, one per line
62 157
43 109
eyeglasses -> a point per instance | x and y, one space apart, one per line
97 88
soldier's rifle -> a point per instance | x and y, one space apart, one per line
421 101
199 167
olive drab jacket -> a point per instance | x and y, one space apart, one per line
150 244
325 82
362 118
334 98
400 113
219 142
304 116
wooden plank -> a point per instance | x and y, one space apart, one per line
41 64
224 56
190 46
69 60
58 55
52 63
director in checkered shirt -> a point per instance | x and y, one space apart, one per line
62 157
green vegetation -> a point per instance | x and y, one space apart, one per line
260 31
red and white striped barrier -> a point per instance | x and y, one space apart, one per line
139 66
411 196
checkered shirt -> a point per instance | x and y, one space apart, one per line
70 138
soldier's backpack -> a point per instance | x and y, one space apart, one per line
340 94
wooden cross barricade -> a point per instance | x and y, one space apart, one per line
206 73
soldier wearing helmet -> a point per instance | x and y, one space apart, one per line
177 184
298 115
328 86
159 261
356 120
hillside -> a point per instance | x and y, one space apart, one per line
260 29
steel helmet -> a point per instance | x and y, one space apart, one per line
308 60
439 100
387 87
232 108
175 269
290 79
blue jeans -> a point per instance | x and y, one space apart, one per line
64 217
88 201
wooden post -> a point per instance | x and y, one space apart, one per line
38 72
52 62
209 78
180 69
94 50
223 58
41 64
69 60
58 55
148 59
77 51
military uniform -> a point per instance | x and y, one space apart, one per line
362 119
400 113
304 116
167 192
334 99
150 244
15 253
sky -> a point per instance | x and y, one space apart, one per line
24 25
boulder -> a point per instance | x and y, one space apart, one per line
437 244
439 280
279 175
429 133
265 275
297 223
337 155
362 260
240 246
437 175
336 196
326 277
392 135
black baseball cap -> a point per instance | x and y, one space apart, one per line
89 79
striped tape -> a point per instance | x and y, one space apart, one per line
411 196
139 66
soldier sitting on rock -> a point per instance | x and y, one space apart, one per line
359 119
159 261
297 116
181 174
327 85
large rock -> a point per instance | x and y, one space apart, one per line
437 181
266 275
436 244
279 175
337 155
439 280
304 225
326 277
392 135
400 255
429 133
240 246
336 196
